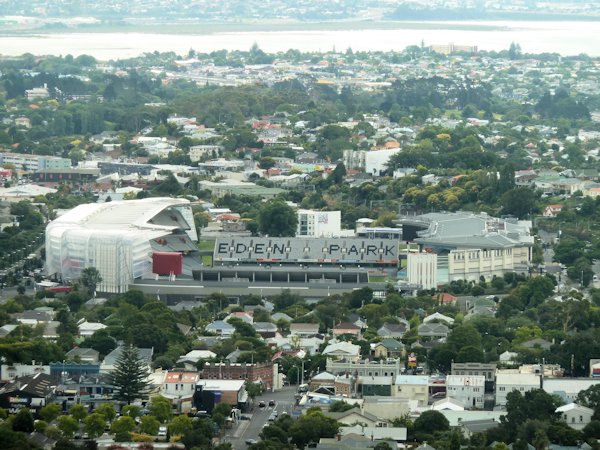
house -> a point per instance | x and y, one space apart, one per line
412 388
576 416
472 427
304 329
179 387
353 416
433 331
537 343
397 434
323 379
191 358
448 404
508 358
394 330
265 329
387 348
438 317
343 351
467 389
445 298
220 328
86 355
552 210
281 316
508 382
31 392
346 328
86 329
108 365
242 315
380 386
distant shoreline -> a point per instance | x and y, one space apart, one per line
199 28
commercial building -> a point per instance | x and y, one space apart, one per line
470 246
422 270
319 223
252 372
119 238
469 390
33 163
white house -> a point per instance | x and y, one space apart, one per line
412 387
468 390
179 387
342 350
86 329
508 382
576 416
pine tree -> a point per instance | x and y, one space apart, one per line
130 376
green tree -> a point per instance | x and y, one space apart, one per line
161 408
107 410
311 427
149 425
431 421
180 425
68 426
130 376
23 421
94 425
122 428
277 219
50 412
78 412
90 278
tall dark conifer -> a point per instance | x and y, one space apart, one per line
130 376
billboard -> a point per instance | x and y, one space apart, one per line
307 250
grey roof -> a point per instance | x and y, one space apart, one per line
39 385
265 327
435 329
479 426
82 352
280 316
462 229
144 353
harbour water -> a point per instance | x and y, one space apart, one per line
566 38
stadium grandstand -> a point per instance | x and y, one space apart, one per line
124 240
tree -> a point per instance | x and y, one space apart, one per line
23 421
68 426
161 408
107 410
519 202
277 219
180 425
90 278
431 421
130 376
149 425
78 412
94 424
122 428
50 412
311 427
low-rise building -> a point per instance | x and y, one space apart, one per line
412 388
576 416
508 382
467 389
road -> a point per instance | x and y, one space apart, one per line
250 429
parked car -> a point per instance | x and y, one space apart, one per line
250 441
162 430
244 417
271 402
262 404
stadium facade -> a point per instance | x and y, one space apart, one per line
120 239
